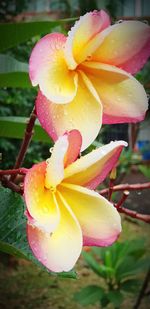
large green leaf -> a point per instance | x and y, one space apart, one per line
13 238
14 127
89 295
116 298
12 34
13 73
129 268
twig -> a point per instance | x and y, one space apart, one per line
134 214
129 187
142 291
110 189
11 185
21 171
129 212
122 200
25 142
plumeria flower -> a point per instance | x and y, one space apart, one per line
85 78
64 212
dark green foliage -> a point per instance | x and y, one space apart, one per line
89 295
119 266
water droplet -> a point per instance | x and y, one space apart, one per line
45 209
112 41
58 88
65 113
51 151
89 57
148 96
119 21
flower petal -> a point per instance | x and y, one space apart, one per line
60 250
122 43
48 68
98 218
63 154
84 113
123 97
41 207
91 169
74 147
82 39
55 164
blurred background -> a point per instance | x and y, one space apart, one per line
111 277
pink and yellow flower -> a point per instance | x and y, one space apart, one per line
64 212
85 79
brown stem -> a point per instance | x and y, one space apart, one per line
122 200
25 142
21 171
110 189
134 214
11 185
129 187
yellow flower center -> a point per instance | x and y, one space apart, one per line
52 189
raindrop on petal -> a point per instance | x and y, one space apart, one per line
51 150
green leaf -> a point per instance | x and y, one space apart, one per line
104 301
131 285
99 268
13 238
145 170
89 295
13 73
130 267
116 298
12 34
94 265
14 127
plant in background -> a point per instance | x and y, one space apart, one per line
120 267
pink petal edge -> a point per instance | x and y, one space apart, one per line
87 241
108 119
112 162
75 143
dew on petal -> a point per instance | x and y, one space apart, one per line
45 209
65 113
51 150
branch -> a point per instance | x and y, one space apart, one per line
134 214
21 171
129 212
11 185
122 200
129 187
25 142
